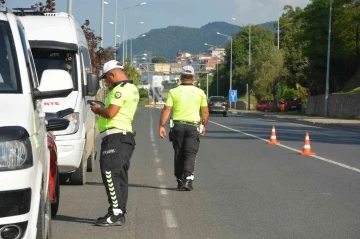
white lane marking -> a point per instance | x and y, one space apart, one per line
171 230
160 172
164 202
310 126
160 175
292 149
163 190
169 218
157 159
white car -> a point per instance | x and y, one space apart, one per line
58 42
24 156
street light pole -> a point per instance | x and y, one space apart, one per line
328 63
231 50
115 26
249 45
102 25
217 70
278 28
69 7
124 30
249 41
231 65
123 42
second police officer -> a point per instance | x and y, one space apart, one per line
185 101
118 143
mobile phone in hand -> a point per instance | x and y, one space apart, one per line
90 102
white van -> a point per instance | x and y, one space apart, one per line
24 156
58 42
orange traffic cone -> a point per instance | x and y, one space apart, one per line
307 148
273 137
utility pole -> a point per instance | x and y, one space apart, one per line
69 7
102 25
328 64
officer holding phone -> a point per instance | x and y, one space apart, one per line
118 143
185 100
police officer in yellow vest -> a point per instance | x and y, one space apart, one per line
185 100
118 143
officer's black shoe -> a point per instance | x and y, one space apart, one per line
111 220
188 185
106 216
122 218
180 183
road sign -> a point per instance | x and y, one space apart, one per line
233 96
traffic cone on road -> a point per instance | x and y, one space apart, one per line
307 149
273 137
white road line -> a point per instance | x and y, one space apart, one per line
310 126
171 230
157 160
160 172
163 190
169 218
160 175
292 149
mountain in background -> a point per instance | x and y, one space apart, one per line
169 41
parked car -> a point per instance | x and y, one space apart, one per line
218 105
58 42
265 105
293 104
54 176
25 210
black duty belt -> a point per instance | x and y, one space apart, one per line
196 124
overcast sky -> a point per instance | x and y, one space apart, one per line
163 13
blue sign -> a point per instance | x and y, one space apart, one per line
233 96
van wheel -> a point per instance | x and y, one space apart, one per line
79 176
44 232
55 206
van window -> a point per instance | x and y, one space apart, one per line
55 59
86 58
31 70
9 68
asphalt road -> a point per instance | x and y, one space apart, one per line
244 188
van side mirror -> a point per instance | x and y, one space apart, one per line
93 84
54 84
65 112
57 124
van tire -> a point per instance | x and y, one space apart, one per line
79 176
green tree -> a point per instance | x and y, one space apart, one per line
290 42
48 6
159 59
132 73
143 93
344 59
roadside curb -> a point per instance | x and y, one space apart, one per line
338 126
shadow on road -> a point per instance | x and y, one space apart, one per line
134 186
73 219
